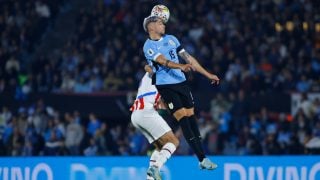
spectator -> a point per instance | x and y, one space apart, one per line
74 135
15 143
94 124
53 145
92 149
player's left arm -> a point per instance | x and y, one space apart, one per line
197 66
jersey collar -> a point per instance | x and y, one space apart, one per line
156 39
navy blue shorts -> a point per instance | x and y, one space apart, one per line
176 96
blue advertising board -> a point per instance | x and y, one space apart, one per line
178 167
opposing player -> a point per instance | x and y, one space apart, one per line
145 118
162 51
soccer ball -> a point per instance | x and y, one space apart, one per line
161 11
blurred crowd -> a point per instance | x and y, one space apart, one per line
227 129
40 130
253 46
22 26
256 46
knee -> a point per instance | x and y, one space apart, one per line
180 113
171 138
190 112
176 142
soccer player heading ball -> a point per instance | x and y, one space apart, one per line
161 11
161 51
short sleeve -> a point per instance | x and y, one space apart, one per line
178 45
150 52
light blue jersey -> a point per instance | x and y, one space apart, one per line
166 46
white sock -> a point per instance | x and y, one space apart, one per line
165 153
153 158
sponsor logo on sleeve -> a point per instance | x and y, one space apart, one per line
150 52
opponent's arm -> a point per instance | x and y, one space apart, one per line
165 62
197 66
148 69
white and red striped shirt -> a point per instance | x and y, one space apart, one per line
147 95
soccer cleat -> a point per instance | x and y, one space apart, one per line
207 164
154 172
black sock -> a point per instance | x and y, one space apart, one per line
191 138
194 126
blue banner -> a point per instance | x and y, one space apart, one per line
178 167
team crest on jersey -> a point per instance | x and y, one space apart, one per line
150 52
172 42
170 105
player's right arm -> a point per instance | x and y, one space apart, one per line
165 62
153 54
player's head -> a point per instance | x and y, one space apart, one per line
154 24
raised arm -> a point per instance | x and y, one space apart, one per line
164 62
197 66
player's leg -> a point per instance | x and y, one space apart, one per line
154 156
187 100
142 120
165 147
179 101
172 97
193 122
188 103
168 143
153 172
158 133
181 111
192 138
195 129
204 163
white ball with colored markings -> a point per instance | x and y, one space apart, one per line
161 11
